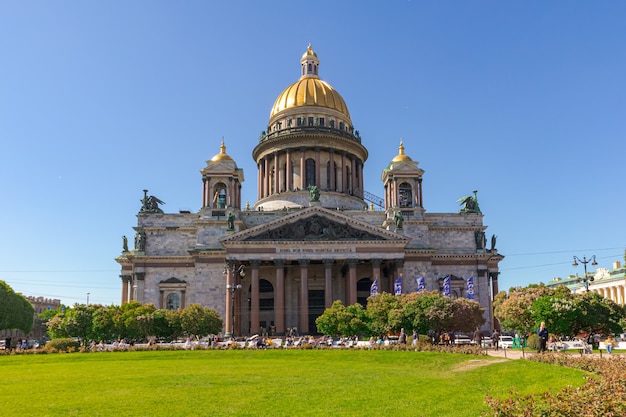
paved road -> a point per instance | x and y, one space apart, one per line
517 354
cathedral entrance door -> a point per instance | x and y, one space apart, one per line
316 308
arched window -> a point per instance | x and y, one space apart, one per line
173 302
310 172
219 198
405 194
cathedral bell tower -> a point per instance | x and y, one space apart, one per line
221 182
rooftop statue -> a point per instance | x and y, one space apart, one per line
140 241
493 242
399 219
231 221
469 203
314 193
150 203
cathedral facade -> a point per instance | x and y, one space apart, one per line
313 236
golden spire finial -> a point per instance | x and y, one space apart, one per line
401 157
223 147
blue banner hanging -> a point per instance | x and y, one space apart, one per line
470 288
397 286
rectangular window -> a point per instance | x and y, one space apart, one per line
340 125
299 122
266 304
311 121
332 124
321 121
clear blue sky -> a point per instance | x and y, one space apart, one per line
523 101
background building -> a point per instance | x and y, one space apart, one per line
313 236
609 284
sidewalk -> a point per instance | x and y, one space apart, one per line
517 354
510 353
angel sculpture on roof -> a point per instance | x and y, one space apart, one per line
469 203
150 203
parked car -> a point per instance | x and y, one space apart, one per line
505 342
462 339
486 342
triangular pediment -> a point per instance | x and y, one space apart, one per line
316 224
404 166
172 280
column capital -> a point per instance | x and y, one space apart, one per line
328 262
280 263
304 262
352 262
376 262
255 263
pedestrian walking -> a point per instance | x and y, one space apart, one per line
542 332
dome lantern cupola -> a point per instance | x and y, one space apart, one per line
310 63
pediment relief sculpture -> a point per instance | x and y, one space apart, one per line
314 228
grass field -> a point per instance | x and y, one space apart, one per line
269 382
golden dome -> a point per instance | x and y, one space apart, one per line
309 90
222 156
401 157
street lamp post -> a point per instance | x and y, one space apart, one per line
232 289
233 272
586 279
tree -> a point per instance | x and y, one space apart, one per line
385 313
200 321
103 324
559 311
15 310
339 320
134 321
598 314
439 314
514 311
564 312
467 315
73 322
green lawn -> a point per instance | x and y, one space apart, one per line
270 382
